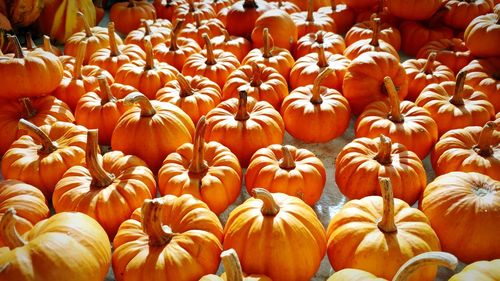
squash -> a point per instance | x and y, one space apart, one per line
310 21
218 5
155 34
365 30
359 5
127 15
195 30
238 46
460 13
310 43
484 76
286 6
483 34
413 9
233 269
480 270
165 8
192 9
415 34
241 16
23 13
342 15
450 52
281 27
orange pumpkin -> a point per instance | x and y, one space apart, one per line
165 8
380 10
415 34
43 156
160 125
23 13
325 111
316 3
483 35
233 269
342 15
455 105
413 9
244 125
281 27
241 16
311 21
127 15
379 234
310 43
279 222
181 230
450 52
194 95
286 6
238 46
287 169
195 30
156 22
474 220
155 34
366 30
218 5
208 171
484 76
362 161
359 5
471 149
460 13
191 9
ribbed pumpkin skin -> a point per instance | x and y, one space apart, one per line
481 30
413 9
481 270
350 274
483 76
418 78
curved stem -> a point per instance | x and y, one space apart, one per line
47 145
30 44
395 114
320 37
250 4
384 150
100 178
267 43
242 113
458 95
152 214
147 109
88 31
310 11
269 206
256 79
150 59
8 232
174 33
29 111
106 94
47 46
316 90
485 142
376 32
322 61
429 64
210 51
80 55
232 265
186 89
287 163
147 28
198 163
425 259
18 50
227 36
113 46
387 224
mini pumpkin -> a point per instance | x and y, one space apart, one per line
155 34
195 30
281 27
287 6
483 34
460 13
192 9
311 21
342 15
241 16
415 34
480 270
484 75
365 30
414 9
310 43
165 8
127 15
450 52
238 46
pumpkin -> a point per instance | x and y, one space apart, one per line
195 30
48 47
450 52
194 95
364 79
415 34
311 21
28 74
215 65
176 50
112 58
29 202
5 27
402 121
360 4
191 9
241 16
480 270
244 125
474 219
342 15
316 4
40 111
286 6
310 43
482 35
413 9
325 111
238 46
160 125
181 230
289 170
43 251
261 82
233 269
275 57
218 5
484 76
460 13
23 13
307 68
107 189
147 76
380 10
455 105
155 34
281 27
362 161
367 30
208 171
379 234
165 8
279 222
160 23
471 149
127 15
423 72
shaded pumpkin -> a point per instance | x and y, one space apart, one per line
127 15
415 34
310 43
311 21
484 75
281 27
365 30
241 16
414 9
483 34
165 8
195 30
238 46
450 52
342 15
459 14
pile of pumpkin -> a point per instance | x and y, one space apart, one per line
245 72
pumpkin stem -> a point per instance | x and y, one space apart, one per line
150 59
186 89
106 94
425 259
47 46
18 50
429 64
376 32
192 8
322 61
100 178
232 265
198 164
242 114
316 90
174 33
210 51
320 37
147 28
484 144
88 31
227 36
458 95
152 214
387 224
267 44
250 4
29 111
30 44
8 232
287 163
269 205
47 145
147 109
395 114
113 46
80 55
131 4
197 19
384 150
310 11
256 79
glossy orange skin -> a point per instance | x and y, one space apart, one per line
320 22
287 6
413 9
158 35
363 46
363 30
281 28
483 35
24 162
316 4
176 57
212 27
357 171
206 96
483 75
476 111
360 4
414 35
127 17
28 201
281 60
240 20
479 198
196 245
342 15
309 43
460 13
238 46
273 87
305 181
103 58
98 40
186 12
252 234
419 79
363 81
264 127
165 8
450 52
